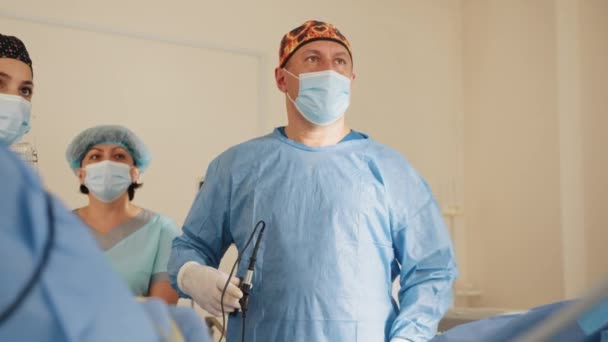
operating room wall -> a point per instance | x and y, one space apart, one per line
512 200
594 101
535 162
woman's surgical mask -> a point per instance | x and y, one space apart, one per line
323 96
15 114
107 180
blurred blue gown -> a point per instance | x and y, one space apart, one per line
77 296
591 326
342 222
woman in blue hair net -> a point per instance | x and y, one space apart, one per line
108 160
57 286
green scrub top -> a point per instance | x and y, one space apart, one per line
139 249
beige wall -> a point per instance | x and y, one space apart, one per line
569 114
534 100
594 82
511 152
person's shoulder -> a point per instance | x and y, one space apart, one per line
247 151
161 222
394 166
254 144
387 154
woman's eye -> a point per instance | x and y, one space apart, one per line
26 91
312 59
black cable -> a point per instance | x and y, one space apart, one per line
35 277
247 282
224 292
243 326
238 259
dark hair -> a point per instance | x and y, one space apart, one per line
130 190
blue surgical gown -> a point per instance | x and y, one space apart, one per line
512 327
77 297
342 222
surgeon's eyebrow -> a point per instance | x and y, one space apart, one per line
316 52
341 53
311 51
9 77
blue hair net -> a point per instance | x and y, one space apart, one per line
107 134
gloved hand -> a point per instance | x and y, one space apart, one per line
205 284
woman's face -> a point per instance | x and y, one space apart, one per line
112 152
16 78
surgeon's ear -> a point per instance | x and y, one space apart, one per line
279 76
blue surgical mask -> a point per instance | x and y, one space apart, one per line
107 180
323 96
15 114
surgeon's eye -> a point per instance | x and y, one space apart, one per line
312 59
26 91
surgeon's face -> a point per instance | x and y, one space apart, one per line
319 55
112 152
16 78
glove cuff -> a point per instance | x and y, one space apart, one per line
181 274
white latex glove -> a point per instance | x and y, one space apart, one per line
205 284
